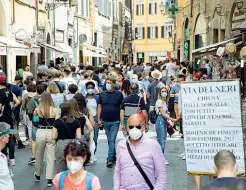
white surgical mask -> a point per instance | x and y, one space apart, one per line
135 80
74 166
135 133
164 94
90 91
108 86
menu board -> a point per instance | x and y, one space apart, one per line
212 121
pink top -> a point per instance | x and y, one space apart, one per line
150 157
70 185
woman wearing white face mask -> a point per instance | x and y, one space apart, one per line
162 117
77 154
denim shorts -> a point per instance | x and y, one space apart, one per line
34 132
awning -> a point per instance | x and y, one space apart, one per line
15 47
212 47
92 54
66 48
58 52
35 49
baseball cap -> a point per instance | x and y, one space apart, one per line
5 129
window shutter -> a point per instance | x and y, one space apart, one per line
137 10
143 32
136 31
149 8
148 32
142 9
155 8
156 32
162 31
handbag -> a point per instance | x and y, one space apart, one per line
139 167
35 118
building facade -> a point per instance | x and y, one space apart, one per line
153 38
200 24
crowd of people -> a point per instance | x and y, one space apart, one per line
63 109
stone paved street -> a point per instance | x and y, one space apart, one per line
176 176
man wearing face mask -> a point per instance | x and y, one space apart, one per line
92 104
147 153
5 179
109 116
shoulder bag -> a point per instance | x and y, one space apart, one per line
139 167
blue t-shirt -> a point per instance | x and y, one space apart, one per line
174 90
110 102
225 183
18 92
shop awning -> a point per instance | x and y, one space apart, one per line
14 47
92 54
66 48
58 52
212 47
35 49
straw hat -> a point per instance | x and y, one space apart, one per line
156 74
243 53
231 49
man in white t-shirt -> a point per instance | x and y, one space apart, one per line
67 79
171 71
6 182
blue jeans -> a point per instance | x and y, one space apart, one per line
161 131
111 129
96 131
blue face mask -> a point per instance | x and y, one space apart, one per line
164 94
108 86
90 91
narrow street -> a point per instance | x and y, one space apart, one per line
176 171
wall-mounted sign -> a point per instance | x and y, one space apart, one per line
60 36
186 50
21 35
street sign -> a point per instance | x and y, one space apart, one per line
212 121
173 9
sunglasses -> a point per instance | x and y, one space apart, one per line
138 127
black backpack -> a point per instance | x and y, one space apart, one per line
152 116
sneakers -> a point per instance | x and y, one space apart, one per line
49 183
20 145
37 178
12 162
31 161
184 158
109 164
167 163
94 160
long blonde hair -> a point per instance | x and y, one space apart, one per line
45 103
160 97
75 108
53 88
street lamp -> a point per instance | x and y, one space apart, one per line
239 4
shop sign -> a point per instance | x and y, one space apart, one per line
19 51
60 36
212 121
21 35
186 50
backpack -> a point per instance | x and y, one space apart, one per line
35 118
64 175
152 116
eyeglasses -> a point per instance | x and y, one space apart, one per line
138 127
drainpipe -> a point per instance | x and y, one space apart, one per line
54 22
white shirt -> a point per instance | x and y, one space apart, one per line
159 104
6 182
92 106
82 87
171 67
68 81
